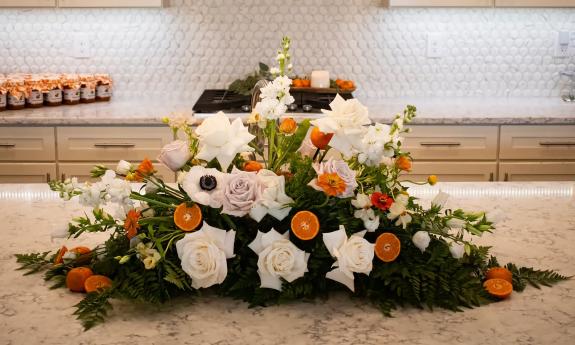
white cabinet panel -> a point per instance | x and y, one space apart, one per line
452 142
27 144
453 171
440 3
27 172
27 3
535 3
537 171
110 3
82 171
537 142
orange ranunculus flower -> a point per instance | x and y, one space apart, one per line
320 139
288 126
403 163
131 224
252 166
331 184
145 169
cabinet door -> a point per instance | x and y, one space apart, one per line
82 171
440 3
27 172
27 144
537 142
535 3
452 142
537 171
101 144
452 171
110 3
27 3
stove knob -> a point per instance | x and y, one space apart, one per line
307 108
246 108
292 107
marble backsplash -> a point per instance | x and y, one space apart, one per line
176 52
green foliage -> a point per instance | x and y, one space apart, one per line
522 276
245 86
93 309
102 222
34 262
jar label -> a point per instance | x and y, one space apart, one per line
87 93
53 96
104 91
2 100
16 101
72 94
36 97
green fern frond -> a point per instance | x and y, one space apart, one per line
33 262
93 309
528 275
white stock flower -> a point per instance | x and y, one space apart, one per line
119 191
440 199
273 200
180 119
399 210
204 185
275 97
372 150
457 250
274 70
278 258
92 194
353 254
204 255
175 154
421 240
345 120
123 167
221 139
340 168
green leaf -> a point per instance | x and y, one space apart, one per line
33 262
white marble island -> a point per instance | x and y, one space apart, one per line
536 227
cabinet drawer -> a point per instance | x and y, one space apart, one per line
82 171
452 142
537 171
452 171
111 143
537 142
27 144
27 172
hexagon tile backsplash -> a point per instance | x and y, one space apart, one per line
176 52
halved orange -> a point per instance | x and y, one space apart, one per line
305 225
187 218
499 288
387 247
60 255
500 273
97 282
83 254
76 278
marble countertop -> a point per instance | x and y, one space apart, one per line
439 111
535 227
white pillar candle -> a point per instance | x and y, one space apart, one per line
320 79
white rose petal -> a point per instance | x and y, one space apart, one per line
421 240
457 250
123 167
175 154
273 198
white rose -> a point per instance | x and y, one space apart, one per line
421 240
278 258
175 154
203 254
457 250
353 254
273 198
340 168
124 167
240 193
203 185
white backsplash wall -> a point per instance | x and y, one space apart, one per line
198 44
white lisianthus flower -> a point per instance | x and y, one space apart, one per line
370 220
148 255
278 258
456 223
421 240
353 254
175 154
241 192
124 167
273 200
204 255
457 250
204 185
399 210
440 199
346 120
221 139
342 169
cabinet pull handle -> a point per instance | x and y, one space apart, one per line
557 143
7 145
490 177
47 177
506 178
114 145
440 144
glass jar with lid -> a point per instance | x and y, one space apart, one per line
16 86
87 88
103 88
35 88
53 92
3 93
71 88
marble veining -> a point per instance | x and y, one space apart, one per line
431 111
535 227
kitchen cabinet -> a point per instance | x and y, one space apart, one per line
27 3
440 3
27 172
537 142
27 144
453 171
537 171
535 3
110 3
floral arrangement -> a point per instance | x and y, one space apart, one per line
262 214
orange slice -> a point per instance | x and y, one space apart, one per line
83 254
387 247
60 256
499 273
499 288
187 218
97 282
305 225
76 278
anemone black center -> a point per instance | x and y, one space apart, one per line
208 182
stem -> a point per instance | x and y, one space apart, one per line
140 197
315 154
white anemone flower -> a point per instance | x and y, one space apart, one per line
204 185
